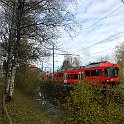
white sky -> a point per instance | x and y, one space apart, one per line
87 13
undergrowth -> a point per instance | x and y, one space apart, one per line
27 81
23 110
90 105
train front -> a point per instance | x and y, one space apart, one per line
111 75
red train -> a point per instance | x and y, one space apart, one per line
103 74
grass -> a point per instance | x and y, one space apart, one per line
24 110
1 80
3 119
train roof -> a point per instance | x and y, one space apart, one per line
76 68
94 64
101 64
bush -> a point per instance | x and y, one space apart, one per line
27 81
89 105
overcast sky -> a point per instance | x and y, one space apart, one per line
89 43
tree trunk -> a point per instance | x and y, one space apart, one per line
11 87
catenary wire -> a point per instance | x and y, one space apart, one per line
103 41
104 17
102 51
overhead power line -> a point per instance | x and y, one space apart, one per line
98 22
109 39
102 41
103 18
102 51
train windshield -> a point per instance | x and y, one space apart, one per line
111 72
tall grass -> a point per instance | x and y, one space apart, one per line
89 105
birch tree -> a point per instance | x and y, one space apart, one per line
36 21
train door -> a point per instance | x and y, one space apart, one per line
65 79
80 76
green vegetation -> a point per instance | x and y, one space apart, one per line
88 105
23 110
1 80
27 80
84 105
3 118
120 58
122 84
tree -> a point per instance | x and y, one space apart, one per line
66 65
105 58
1 56
70 62
26 23
76 61
119 54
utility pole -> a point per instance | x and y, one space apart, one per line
53 64
53 59
42 66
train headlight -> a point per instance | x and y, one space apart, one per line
107 80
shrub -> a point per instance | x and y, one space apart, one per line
27 80
89 105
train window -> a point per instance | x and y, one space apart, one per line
60 75
116 72
97 72
93 73
107 72
87 72
74 76
69 76
111 72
